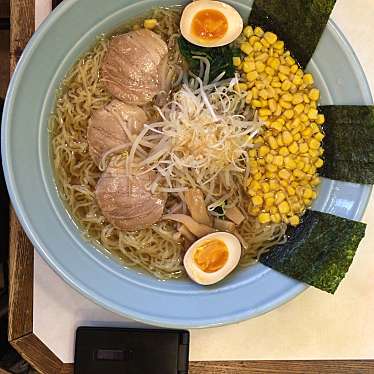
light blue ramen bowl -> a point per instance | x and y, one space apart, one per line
62 38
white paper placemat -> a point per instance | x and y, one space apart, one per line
314 325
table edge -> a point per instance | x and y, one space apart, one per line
21 272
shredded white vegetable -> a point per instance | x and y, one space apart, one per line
201 141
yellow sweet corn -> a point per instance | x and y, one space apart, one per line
314 144
299 108
260 66
265 187
283 151
272 142
308 79
320 119
240 87
264 218
284 174
248 66
278 161
236 61
263 151
283 168
257 46
294 220
248 31
257 200
252 76
314 94
252 153
294 69
319 136
297 80
293 148
258 31
319 163
270 37
289 113
246 48
284 207
297 99
289 163
256 104
150 23
276 218
279 45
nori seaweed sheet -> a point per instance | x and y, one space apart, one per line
319 251
299 23
349 171
349 143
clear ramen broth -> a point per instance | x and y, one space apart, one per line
157 249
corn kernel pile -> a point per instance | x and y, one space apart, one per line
288 150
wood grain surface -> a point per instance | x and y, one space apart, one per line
21 279
4 64
20 249
272 367
21 253
35 352
22 16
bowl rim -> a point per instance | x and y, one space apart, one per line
26 220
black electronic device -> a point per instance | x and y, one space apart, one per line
107 350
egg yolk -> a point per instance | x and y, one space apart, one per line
209 24
211 255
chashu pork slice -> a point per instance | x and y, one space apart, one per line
111 126
130 69
125 200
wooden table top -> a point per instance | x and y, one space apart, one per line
21 276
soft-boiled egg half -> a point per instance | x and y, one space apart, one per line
212 258
210 23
